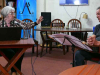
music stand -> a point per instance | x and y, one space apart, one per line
76 43
70 40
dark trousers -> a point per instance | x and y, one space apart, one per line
81 55
10 53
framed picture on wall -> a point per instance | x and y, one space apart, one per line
73 2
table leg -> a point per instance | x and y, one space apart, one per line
8 61
3 70
64 49
11 63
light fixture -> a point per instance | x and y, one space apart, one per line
85 16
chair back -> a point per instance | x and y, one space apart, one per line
57 23
74 23
27 33
27 20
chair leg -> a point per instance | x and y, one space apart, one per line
64 49
37 49
46 46
67 48
33 49
42 50
50 47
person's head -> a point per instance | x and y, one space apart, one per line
8 12
98 13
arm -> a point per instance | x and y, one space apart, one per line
28 25
92 40
23 24
38 21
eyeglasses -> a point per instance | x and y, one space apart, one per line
12 13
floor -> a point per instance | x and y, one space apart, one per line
49 64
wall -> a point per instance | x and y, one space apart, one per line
2 4
58 11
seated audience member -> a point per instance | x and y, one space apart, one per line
81 55
8 14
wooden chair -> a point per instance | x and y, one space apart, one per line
56 23
76 24
27 34
46 41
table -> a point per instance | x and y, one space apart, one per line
64 30
93 69
23 43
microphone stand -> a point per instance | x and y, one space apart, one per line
74 42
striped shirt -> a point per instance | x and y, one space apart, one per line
18 23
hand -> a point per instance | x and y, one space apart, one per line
40 19
92 40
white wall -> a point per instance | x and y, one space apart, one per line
58 11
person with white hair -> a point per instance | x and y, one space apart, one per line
9 13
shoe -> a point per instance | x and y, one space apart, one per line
14 73
18 73
9 72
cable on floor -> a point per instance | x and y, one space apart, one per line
32 63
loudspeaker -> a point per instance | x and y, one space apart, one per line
46 18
